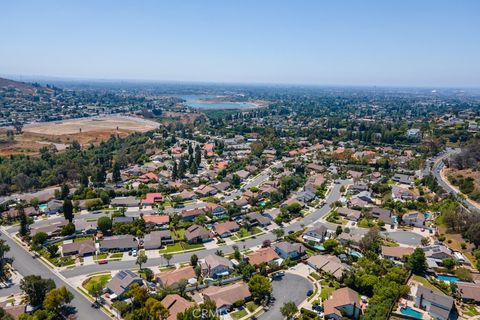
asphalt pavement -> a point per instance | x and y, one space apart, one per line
25 264
291 288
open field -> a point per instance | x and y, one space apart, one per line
62 133
110 123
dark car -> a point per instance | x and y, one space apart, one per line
309 293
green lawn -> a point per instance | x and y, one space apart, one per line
471 311
191 246
100 256
252 306
326 291
178 234
100 279
239 314
116 255
425 283
80 239
172 248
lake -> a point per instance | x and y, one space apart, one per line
195 102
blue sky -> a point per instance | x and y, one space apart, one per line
408 43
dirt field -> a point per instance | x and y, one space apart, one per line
92 124
61 134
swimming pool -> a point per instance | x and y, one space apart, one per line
427 216
445 277
43 206
410 312
319 247
356 254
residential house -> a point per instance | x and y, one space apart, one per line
82 248
118 243
396 253
118 286
272 213
364 196
175 304
328 264
205 191
305 196
221 186
173 277
226 229
290 250
342 303
156 239
215 209
152 198
256 219
315 167
226 296
125 202
191 214
51 230
156 220
317 233
197 234
402 194
437 252
54 206
216 266
349 214
438 305
85 227
349 238
469 292
403 179
382 214
243 174
415 219
263 255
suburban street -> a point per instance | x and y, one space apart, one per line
26 264
437 168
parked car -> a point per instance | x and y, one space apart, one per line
103 262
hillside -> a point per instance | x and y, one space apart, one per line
22 87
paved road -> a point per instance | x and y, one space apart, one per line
27 265
291 288
405 237
436 171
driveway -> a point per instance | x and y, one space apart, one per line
291 288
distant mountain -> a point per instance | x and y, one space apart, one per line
25 88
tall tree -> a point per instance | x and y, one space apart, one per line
5 262
55 299
289 309
417 262
24 230
68 210
141 259
116 176
35 288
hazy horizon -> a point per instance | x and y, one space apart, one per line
345 43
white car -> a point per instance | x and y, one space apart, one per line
134 253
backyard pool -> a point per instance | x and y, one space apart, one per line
410 312
445 277
319 247
427 216
356 254
43 206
